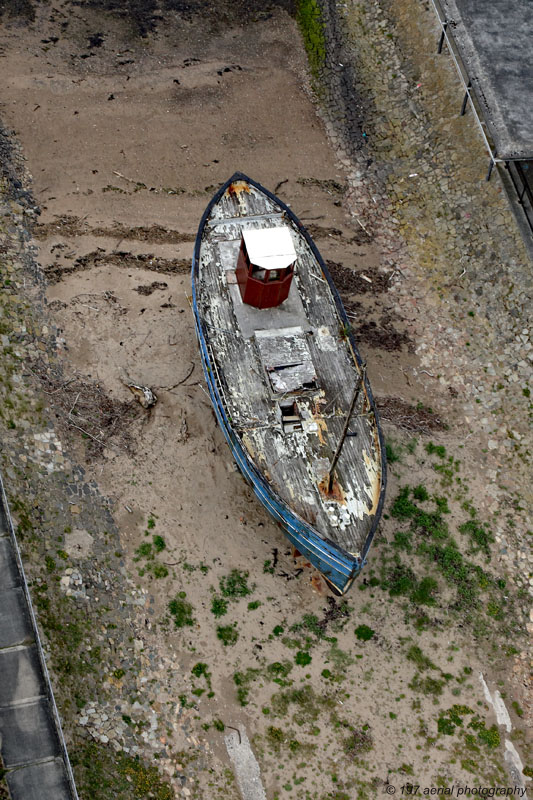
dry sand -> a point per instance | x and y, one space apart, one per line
127 139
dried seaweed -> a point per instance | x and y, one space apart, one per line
416 419
84 406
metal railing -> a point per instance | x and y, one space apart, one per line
469 95
521 175
520 171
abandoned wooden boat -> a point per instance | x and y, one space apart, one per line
286 379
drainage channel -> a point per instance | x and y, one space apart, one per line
32 746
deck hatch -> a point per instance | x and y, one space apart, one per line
286 358
291 419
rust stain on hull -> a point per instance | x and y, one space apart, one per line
375 486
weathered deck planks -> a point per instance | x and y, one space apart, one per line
295 462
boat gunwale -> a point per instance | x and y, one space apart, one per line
204 337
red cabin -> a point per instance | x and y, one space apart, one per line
265 266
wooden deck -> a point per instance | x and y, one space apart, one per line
266 360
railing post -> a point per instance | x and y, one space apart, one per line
465 99
442 38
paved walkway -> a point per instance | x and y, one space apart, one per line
31 741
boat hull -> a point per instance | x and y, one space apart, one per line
338 567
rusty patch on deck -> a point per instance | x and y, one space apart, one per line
337 492
321 423
238 187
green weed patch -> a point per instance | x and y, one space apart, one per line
311 26
102 774
235 585
181 611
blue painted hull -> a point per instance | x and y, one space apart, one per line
336 565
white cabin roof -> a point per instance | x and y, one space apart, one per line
270 248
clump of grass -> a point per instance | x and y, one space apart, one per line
442 504
311 623
480 536
159 570
219 606
403 508
278 672
204 569
303 658
424 592
427 685
364 633
181 611
228 634
400 580
393 455
49 563
403 541
235 585
144 551
340 658
148 550
448 470
517 708
337 617
242 681
275 737
308 704
201 670
430 523
359 741
487 736
436 449
457 571
253 605
416 655
420 493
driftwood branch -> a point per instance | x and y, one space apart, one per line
233 728
60 388
179 383
125 178
86 433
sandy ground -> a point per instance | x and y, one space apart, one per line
127 138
